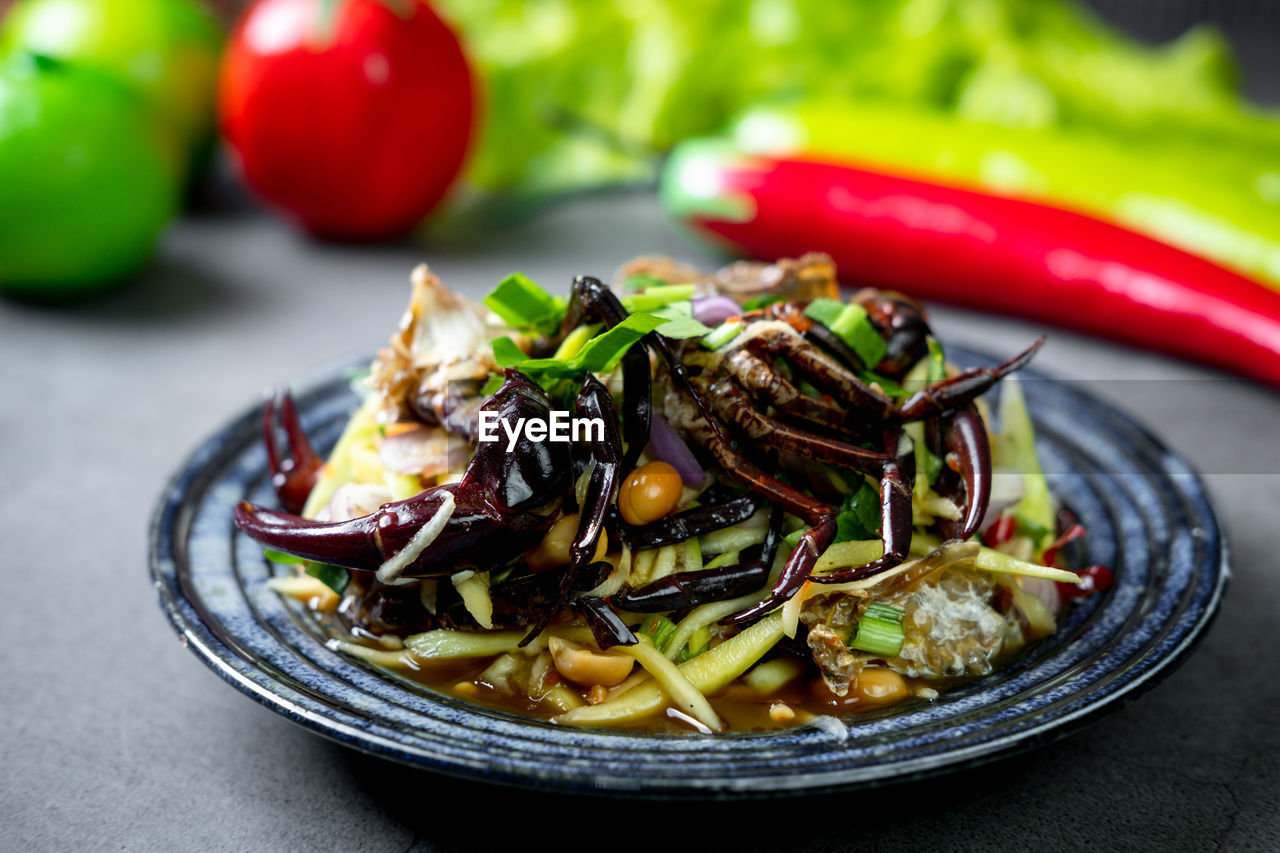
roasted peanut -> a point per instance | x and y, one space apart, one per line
649 493
553 550
881 686
588 667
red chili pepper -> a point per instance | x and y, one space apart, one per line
1072 533
1001 531
1002 254
1096 579
1003 600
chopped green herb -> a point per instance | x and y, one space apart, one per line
850 324
660 629
859 516
334 577
930 462
642 281
492 384
1028 526
506 353
761 302
698 643
520 302
679 321
852 480
576 340
937 360
600 354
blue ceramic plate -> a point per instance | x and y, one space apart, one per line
1147 515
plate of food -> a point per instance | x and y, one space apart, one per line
723 534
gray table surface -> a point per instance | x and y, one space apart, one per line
115 736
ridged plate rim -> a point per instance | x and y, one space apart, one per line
1046 696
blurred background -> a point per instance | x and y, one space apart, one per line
1134 136
199 200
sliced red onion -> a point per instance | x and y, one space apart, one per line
666 446
714 310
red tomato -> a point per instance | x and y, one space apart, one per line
353 127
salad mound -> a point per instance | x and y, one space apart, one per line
783 503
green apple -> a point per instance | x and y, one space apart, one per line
167 49
89 177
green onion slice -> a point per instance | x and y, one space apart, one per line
656 297
722 334
880 631
887 612
850 324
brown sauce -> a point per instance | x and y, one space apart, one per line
743 709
